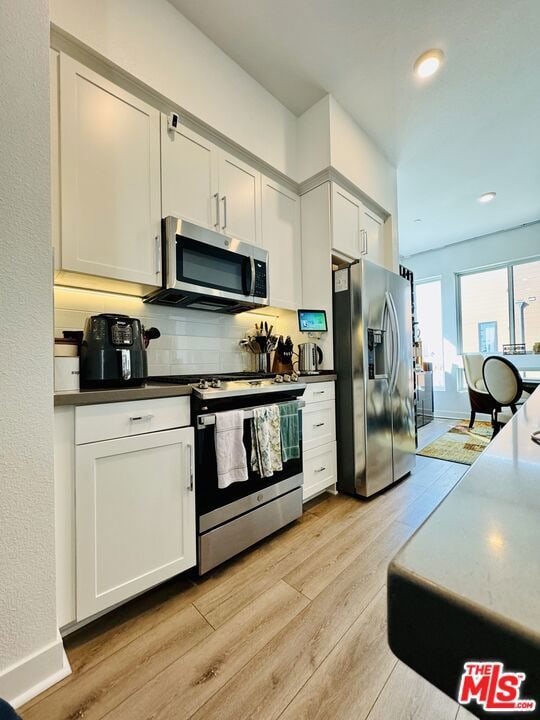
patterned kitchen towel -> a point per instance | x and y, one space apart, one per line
230 451
290 430
266 441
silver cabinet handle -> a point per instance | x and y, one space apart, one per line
224 199
141 418
190 468
321 469
319 392
216 197
319 425
157 243
365 242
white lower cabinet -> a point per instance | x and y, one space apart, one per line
319 469
319 439
135 516
124 502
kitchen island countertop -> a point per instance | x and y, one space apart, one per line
466 586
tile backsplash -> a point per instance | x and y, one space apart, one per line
191 341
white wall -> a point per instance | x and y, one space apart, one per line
328 135
30 651
501 247
314 139
153 42
357 157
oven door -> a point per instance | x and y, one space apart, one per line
200 261
218 505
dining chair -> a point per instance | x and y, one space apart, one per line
505 386
480 400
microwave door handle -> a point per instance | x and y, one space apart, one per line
252 266
247 276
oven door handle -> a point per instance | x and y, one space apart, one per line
210 419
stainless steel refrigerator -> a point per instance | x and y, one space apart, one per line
374 365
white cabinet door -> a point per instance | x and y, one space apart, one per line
135 516
373 228
110 179
189 176
239 187
281 237
346 223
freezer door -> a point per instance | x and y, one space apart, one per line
401 385
378 408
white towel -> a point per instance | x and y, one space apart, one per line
230 451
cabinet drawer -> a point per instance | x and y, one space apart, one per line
319 391
319 424
319 469
114 420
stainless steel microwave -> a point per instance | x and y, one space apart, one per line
205 270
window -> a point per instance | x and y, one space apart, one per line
429 317
500 306
526 281
484 305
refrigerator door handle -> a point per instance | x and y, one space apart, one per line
396 343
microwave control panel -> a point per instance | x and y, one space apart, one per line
260 279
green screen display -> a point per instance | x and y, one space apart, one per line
312 321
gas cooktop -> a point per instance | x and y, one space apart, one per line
232 384
223 377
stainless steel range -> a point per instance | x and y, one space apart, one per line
232 519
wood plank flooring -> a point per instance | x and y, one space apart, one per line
294 628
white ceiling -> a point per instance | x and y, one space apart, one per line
472 128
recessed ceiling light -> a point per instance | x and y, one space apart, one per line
418 220
428 63
487 197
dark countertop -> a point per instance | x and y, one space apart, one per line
147 392
325 376
466 586
98 397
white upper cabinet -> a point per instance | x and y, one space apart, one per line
281 237
346 223
207 186
239 208
373 229
189 171
109 179
357 232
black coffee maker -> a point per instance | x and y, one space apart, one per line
113 351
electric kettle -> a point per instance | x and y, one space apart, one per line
310 358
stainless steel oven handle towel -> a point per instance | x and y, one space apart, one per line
231 457
290 430
266 441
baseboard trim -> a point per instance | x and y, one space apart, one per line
450 415
37 672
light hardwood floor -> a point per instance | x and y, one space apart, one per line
294 629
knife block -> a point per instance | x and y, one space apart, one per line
280 368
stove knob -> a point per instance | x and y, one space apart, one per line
216 383
278 379
287 378
203 384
